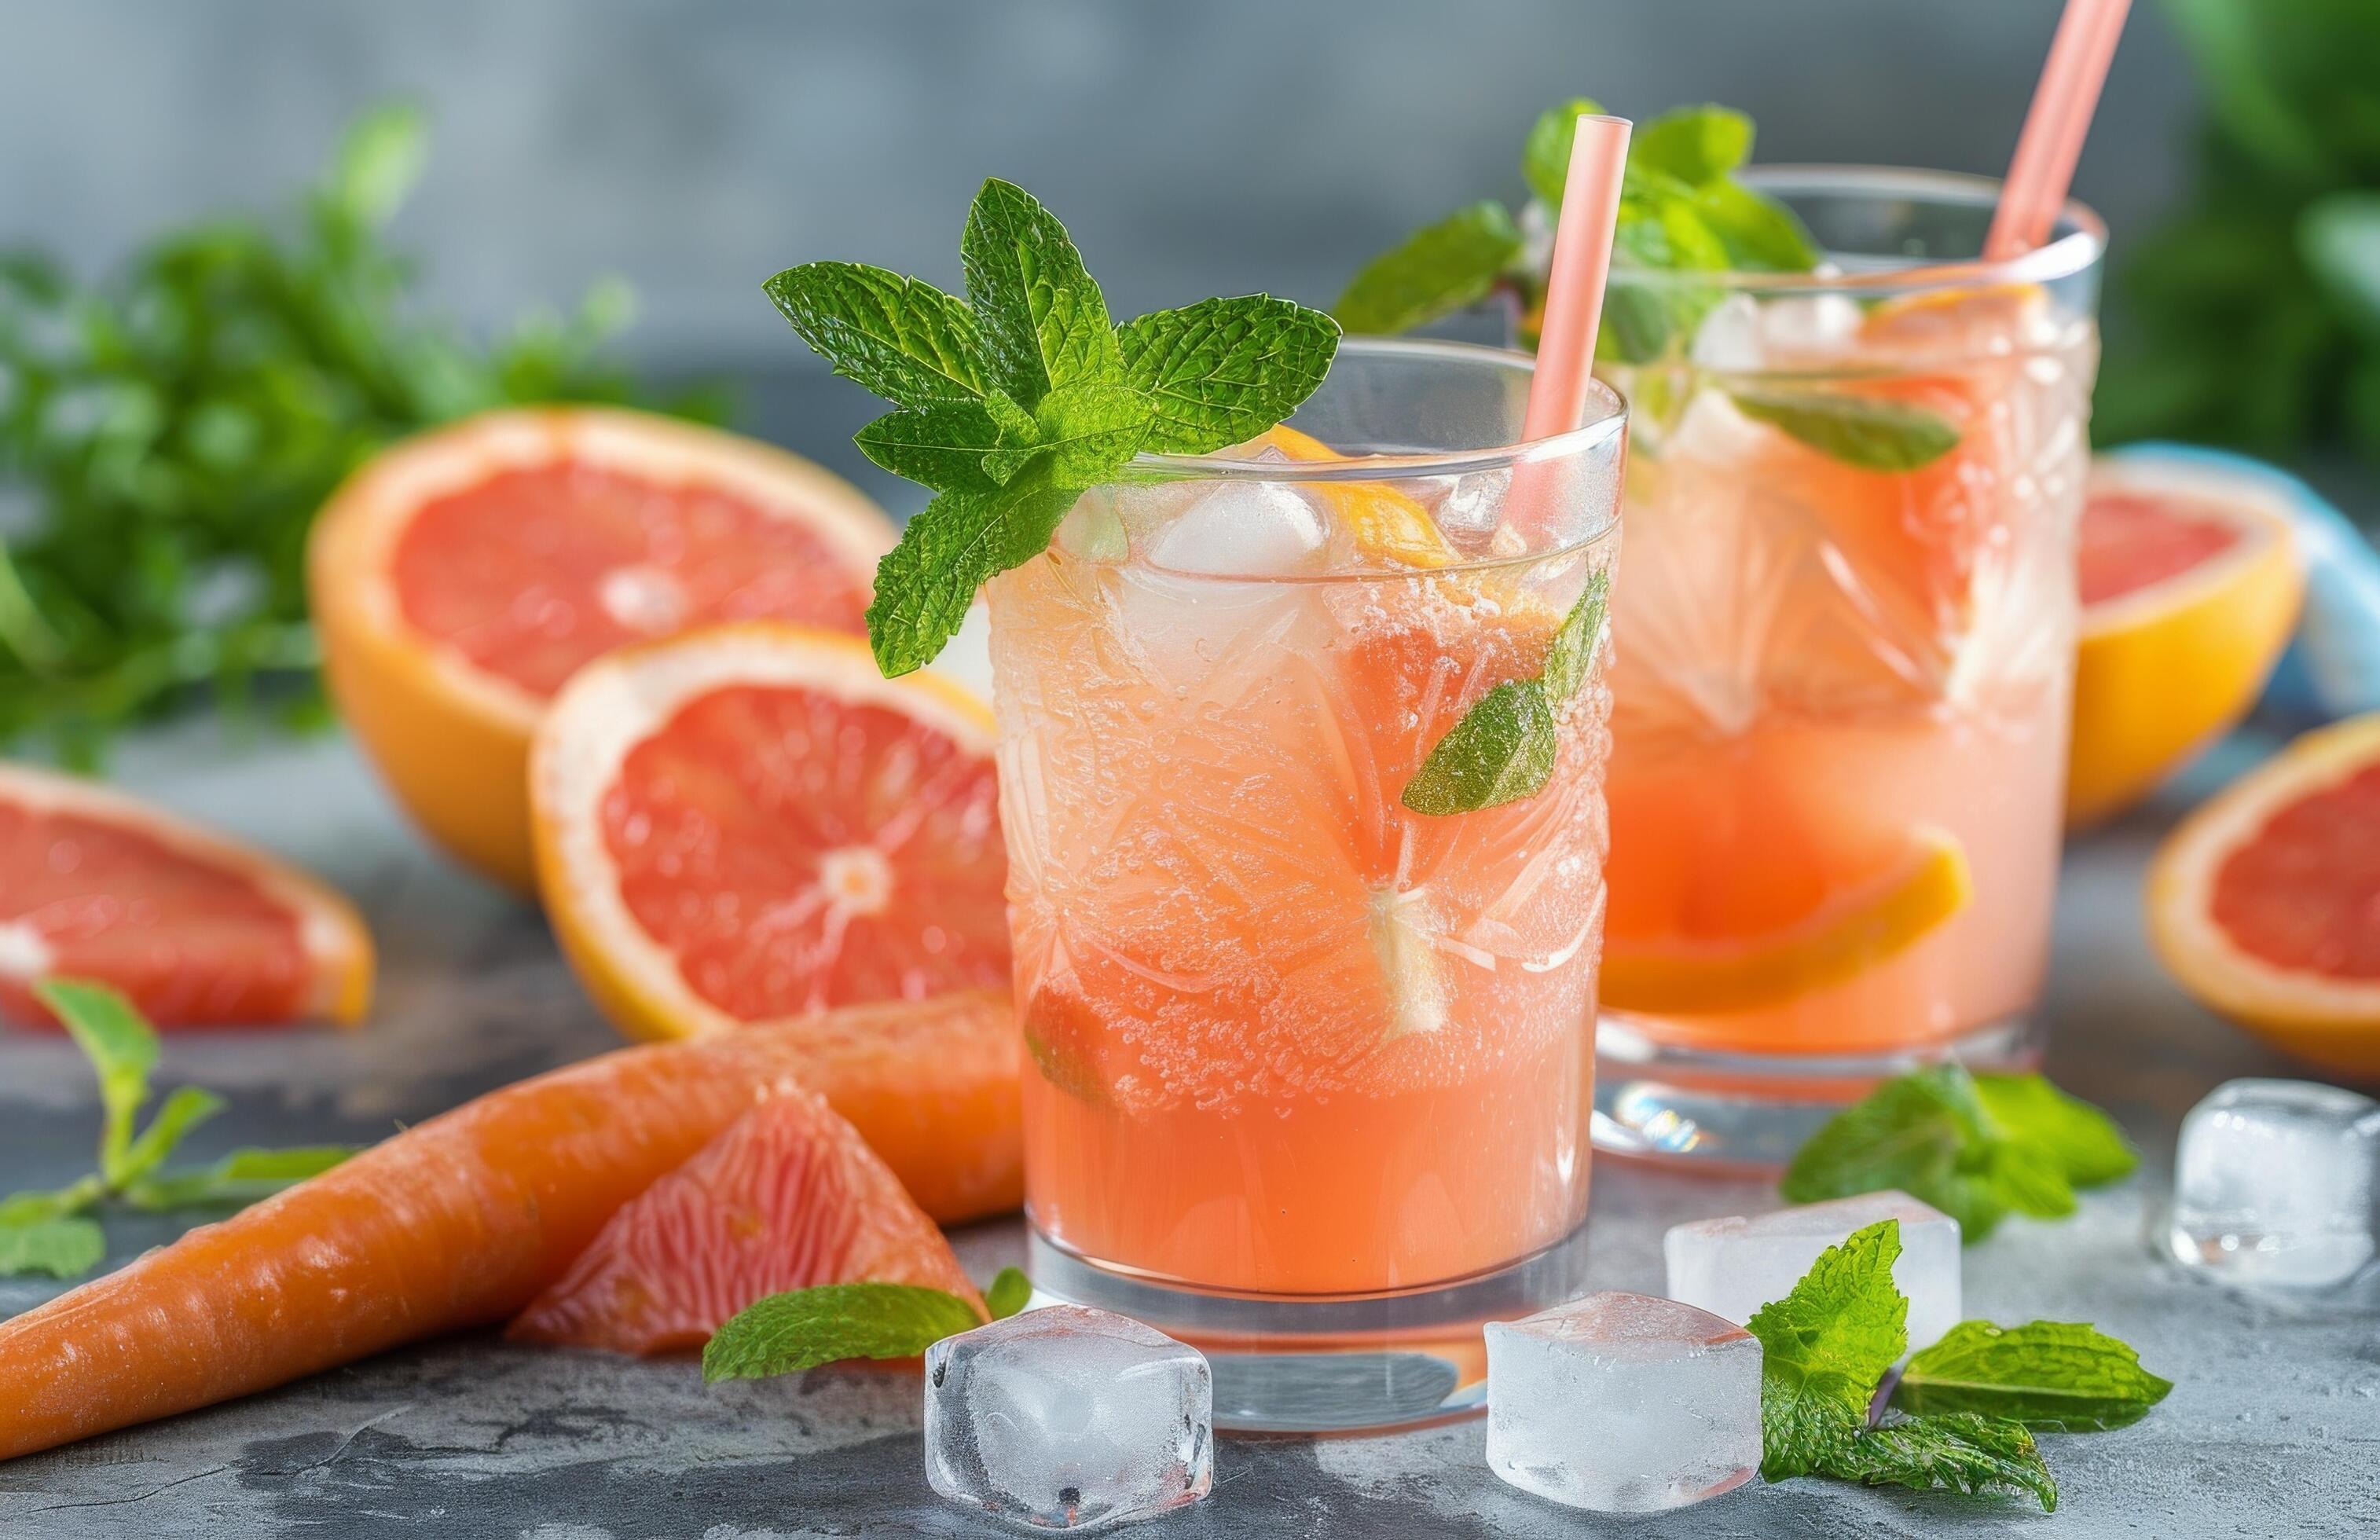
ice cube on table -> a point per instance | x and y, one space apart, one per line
1623 1403
1068 1418
2275 1183
1733 1267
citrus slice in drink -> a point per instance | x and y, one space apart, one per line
788 1197
1855 928
1385 526
198 929
2189 573
461 577
2266 902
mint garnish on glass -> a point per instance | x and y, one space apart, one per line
802 1328
52 1231
1014 400
1683 211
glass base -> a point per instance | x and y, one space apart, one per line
1328 1363
1702 1108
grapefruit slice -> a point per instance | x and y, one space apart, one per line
1849 933
2189 576
2266 902
196 929
460 577
789 1197
1386 527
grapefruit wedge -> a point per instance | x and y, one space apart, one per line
2190 584
460 577
197 929
2266 902
788 1197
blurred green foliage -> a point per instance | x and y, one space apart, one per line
168 434
2253 316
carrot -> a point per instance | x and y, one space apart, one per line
458 1222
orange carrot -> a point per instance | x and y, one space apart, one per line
458 1222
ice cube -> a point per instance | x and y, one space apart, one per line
1068 1418
1796 326
1623 1403
1733 1267
2276 1182
1241 529
1729 337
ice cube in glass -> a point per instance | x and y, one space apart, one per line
1068 1418
1623 1403
1733 1267
2276 1182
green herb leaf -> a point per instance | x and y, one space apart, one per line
1759 234
378 162
1572 650
806 1328
950 549
1961 1453
1437 270
61 1247
1223 371
1044 323
1694 144
1544 155
1089 428
2053 1375
1502 750
901 338
122 1049
1010 1293
2340 236
2084 1142
185 1108
240 1178
1870 434
1825 1347
942 446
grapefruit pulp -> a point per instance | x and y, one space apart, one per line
196 929
460 577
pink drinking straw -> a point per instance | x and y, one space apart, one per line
1574 287
2055 127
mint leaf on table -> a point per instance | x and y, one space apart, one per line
1022 396
185 1108
1890 436
1503 748
2057 1377
1960 1452
1825 1347
804 1327
1011 1291
1977 1147
1436 271
122 1049
240 1178
65 1246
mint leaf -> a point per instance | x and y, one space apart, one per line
804 1327
1694 144
66 1247
1759 234
952 547
1961 1453
1502 750
2053 1375
379 159
186 1107
1825 1347
1223 371
240 1178
1009 1293
1870 434
1089 429
122 1049
1544 154
901 338
1434 272
1044 323
942 446
2084 1142
1572 651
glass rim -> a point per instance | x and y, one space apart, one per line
1592 434
2080 247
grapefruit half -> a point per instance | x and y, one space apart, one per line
460 577
788 1197
2266 902
2191 583
197 929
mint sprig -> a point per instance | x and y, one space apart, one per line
1960 1452
1976 1147
1019 398
829 1323
1825 1347
1503 748
2058 1376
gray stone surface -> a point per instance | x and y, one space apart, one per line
2273 1426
